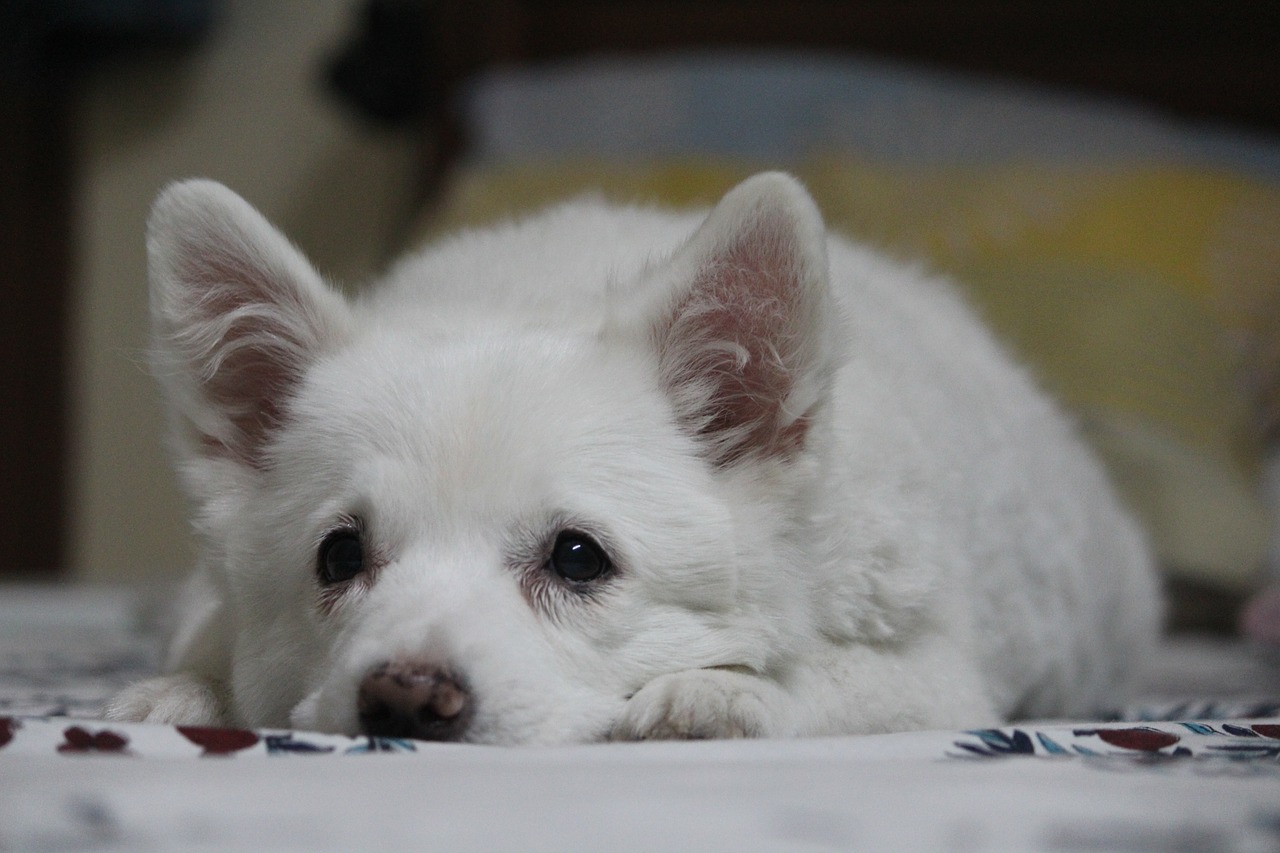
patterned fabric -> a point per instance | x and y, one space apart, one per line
1254 742
1238 741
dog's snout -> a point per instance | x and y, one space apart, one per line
411 699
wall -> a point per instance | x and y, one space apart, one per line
244 107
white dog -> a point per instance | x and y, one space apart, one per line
619 473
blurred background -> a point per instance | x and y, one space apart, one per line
104 103
1102 177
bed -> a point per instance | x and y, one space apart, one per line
1071 220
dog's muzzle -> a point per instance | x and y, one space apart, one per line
414 699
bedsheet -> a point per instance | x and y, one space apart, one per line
1193 765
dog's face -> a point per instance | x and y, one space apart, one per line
527 522
489 527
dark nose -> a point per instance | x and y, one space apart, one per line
412 699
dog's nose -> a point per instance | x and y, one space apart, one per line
410 699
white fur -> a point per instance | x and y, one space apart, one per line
833 503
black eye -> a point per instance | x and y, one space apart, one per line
576 557
341 556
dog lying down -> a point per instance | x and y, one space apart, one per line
617 473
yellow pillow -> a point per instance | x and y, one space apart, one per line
1127 290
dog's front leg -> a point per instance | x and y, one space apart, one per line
178 699
701 704
927 683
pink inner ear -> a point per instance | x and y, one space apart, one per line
738 332
246 347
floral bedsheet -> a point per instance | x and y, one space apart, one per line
1195 766
1251 745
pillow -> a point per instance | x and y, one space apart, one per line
1129 291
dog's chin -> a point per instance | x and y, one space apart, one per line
315 715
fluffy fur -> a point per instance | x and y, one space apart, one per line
830 503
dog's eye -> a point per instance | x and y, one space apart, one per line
576 557
341 556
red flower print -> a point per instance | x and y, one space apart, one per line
83 740
217 741
1143 739
8 725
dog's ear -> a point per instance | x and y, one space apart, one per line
237 316
744 346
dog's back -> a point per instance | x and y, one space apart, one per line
996 486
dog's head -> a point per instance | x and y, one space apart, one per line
477 518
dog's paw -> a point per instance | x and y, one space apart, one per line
701 704
179 699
